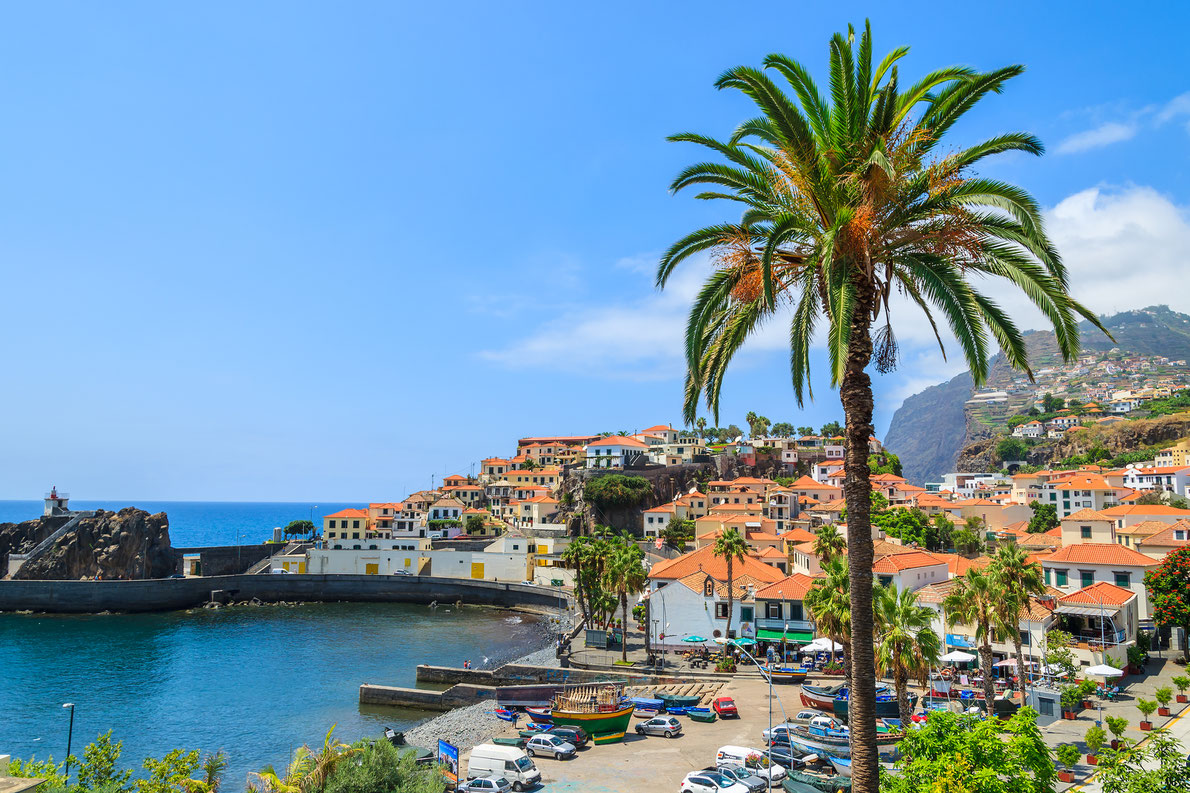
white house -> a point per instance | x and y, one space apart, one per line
1170 478
1074 567
1030 429
657 519
666 432
614 451
696 604
909 570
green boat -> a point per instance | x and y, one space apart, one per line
701 714
502 741
600 709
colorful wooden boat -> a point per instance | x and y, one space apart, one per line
643 713
600 709
701 714
506 715
837 743
821 697
886 704
541 715
788 674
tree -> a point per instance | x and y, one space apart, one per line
730 433
624 574
943 531
966 540
828 600
804 431
907 646
832 429
758 426
98 769
474 524
1010 449
847 200
973 601
574 556
1057 651
170 774
701 425
783 429
1159 764
731 546
1045 517
828 542
299 527
955 752
308 770
617 490
1169 592
1018 579
380 767
891 465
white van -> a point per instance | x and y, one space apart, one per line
752 759
507 761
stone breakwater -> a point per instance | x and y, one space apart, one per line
471 725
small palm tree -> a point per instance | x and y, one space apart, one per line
1018 579
308 771
701 424
907 646
974 600
213 766
730 546
828 542
625 575
575 557
846 201
829 601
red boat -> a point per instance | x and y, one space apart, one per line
821 697
725 707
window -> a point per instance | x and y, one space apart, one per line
772 611
355 524
721 611
1124 580
746 613
1086 577
885 580
1060 578
1085 531
330 524
355 536
708 588
795 611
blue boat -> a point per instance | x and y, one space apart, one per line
677 710
647 703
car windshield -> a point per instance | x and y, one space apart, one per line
524 763
721 780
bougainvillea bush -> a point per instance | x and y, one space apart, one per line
1169 592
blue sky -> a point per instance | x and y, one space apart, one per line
307 251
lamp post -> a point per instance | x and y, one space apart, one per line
768 676
69 737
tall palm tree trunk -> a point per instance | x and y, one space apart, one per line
855 392
730 604
624 635
1021 670
901 683
985 666
846 642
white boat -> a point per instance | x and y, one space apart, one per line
842 765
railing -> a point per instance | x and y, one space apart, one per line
770 624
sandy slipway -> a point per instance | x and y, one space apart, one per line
474 724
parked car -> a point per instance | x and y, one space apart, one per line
788 757
741 775
575 735
506 761
279 571
487 784
754 760
805 716
550 745
401 572
660 725
711 782
725 707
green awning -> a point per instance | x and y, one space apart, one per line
789 636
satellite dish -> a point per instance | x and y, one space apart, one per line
739 439
693 489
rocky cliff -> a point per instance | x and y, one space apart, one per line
929 429
127 544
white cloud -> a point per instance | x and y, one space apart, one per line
1103 135
1178 106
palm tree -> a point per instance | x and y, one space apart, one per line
908 646
1018 579
846 201
731 546
213 766
701 424
975 600
829 601
575 556
308 771
625 575
828 542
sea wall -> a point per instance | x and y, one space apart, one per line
169 594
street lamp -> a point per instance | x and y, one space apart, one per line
768 676
69 737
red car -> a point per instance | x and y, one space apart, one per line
725 707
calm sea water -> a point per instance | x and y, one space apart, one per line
256 682
195 523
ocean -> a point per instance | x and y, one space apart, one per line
198 523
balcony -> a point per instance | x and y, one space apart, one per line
764 623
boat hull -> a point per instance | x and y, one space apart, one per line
886 745
701 714
786 675
842 765
823 702
540 715
885 708
605 727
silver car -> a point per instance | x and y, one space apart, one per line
549 745
487 784
743 776
660 725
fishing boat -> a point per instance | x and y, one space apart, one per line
674 699
502 741
678 710
540 715
648 703
821 697
506 715
600 709
886 704
835 742
701 714
842 765
788 674
644 713
529 733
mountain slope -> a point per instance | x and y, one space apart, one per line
931 428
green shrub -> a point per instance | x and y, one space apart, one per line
617 490
1118 725
1068 755
1095 738
1071 697
1182 682
1163 696
1146 706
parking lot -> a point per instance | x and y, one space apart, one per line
648 764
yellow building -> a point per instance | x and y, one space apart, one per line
345 525
1176 455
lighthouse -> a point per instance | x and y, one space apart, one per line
55 503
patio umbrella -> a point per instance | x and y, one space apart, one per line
695 639
823 643
743 641
1103 670
1006 662
957 657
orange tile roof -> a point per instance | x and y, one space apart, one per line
1101 553
896 562
1146 527
619 440
1100 592
348 513
662 508
740 584
1083 482
1145 509
1166 537
717 508
705 559
793 587
493 461
658 428
386 504
958 565
1088 514
806 483
769 552
799 535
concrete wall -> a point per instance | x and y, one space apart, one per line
228 559
180 593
